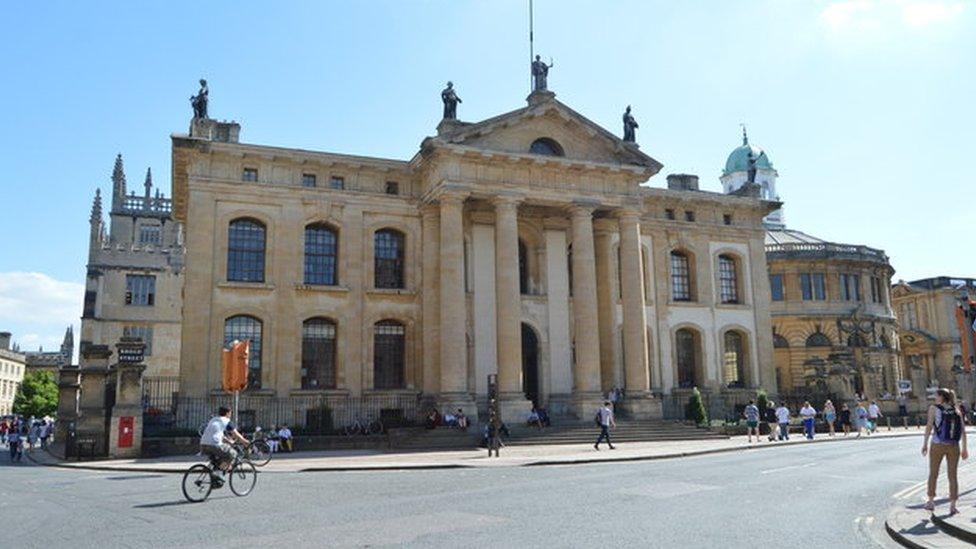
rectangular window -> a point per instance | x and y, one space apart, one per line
150 234
669 214
727 219
308 180
728 280
250 174
812 287
392 187
877 295
689 215
850 287
89 309
337 183
142 332
140 290
680 278
776 286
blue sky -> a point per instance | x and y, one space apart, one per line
864 107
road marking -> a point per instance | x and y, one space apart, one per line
907 492
790 467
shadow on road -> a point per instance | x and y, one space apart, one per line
175 503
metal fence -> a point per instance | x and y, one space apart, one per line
305 414
725 406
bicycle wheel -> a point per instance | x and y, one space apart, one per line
197 483
375 427
243 477
259 453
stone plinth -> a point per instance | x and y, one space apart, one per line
69 389
585 405
642 406
514 408
126 424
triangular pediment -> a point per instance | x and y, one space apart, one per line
577 138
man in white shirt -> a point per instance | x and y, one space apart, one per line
808 413
285 435
604 418
783 418
874 412
213 440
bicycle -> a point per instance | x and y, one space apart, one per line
364 427
257 452
202 478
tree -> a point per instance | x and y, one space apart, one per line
696 408
37 396
762 401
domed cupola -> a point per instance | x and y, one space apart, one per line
736 174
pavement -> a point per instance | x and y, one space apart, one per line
911 525
831 494
514 456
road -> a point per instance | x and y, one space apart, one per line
823 495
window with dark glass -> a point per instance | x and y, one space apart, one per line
318 354
850 287
250 174
392 187
91 297
776 287
388 252
388 354
142 332
686 355
669 214
727 219
245 251
734 360
140 290
523 260
546 147
818 339
239 328
728 280
689 215
150 234
308 180
812 287
876 291
321 255
680 277
780 342
336 182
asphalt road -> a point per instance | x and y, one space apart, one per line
822 495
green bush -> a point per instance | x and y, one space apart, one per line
695 411
37 396
762 401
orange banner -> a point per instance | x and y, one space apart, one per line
234 366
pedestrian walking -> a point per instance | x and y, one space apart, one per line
845 418
809 415
948 433
604 418
4 426
874 414
861 419
751 414
14 440
783 419
830 415
771 421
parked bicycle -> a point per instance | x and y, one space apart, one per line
202 478
365 427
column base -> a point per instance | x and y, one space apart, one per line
585 405
514 408
450 402
642 406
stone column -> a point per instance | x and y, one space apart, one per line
508 311
430 222
586 371
454 374
69 393
638 401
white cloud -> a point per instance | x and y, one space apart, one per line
37 308
921 14
871 15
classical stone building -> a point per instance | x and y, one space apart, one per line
525 245
931 345
50 361
12 367
135 275
834 331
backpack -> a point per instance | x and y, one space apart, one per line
597 419
950 426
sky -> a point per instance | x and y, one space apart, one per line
864 107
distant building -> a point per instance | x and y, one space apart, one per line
11 373
52 360
134 278
931 346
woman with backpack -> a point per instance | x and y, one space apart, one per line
948 431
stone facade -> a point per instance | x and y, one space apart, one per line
525 245
50 361
12 368
135 275
931 345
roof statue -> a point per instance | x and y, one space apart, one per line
630 124
540 74
200 100
451 100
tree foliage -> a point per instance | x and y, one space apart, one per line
696 408
762 401
37 396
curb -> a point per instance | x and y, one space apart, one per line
446 466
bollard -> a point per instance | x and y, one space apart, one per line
904 421
888 420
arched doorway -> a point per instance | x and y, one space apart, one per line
530 364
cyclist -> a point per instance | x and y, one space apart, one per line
214 440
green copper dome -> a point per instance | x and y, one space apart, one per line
739 158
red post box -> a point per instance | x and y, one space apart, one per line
126 428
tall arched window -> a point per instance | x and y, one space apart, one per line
245 250
388 253
734 360
318 354
681 288
388 355
321 255
523 259
239 328
818 339
728 279
686 357
546 147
